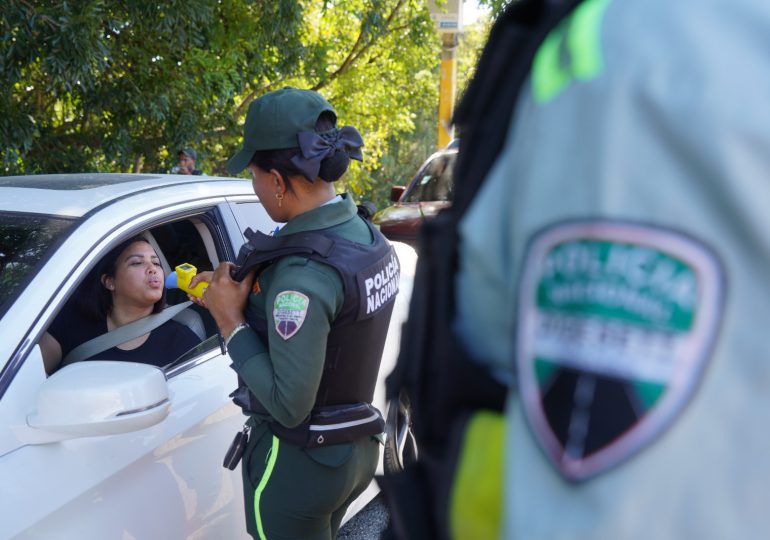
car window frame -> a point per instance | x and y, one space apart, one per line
215 208
213 221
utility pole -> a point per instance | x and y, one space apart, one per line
448 19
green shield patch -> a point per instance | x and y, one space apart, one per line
616 322
289 311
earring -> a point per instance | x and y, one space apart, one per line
279 196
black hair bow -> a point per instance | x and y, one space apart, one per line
314 147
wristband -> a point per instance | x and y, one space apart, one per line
237 329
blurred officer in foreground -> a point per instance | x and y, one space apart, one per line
611 272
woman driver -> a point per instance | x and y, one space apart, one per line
126 285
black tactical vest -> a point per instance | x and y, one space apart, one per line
370 276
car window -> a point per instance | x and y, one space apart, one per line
181 242
434 182
25 239
252 215
184 240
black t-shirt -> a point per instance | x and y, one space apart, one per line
164 345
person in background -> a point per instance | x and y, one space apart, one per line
187 158
126 285
307 334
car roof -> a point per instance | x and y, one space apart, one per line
74 195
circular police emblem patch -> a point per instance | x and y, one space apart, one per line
615 324
289 310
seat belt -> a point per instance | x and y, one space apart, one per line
124 333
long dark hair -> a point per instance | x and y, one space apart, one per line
333 166
93 299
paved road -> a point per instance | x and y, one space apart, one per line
368 524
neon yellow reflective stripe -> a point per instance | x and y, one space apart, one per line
548 76
476 500
584 40
572 51
272 457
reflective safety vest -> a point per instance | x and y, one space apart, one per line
370 276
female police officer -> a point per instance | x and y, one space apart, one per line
306 333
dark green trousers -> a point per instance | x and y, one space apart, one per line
292 492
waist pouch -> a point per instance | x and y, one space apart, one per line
333 424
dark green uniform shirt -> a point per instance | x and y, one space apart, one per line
285 373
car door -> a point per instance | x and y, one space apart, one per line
165 480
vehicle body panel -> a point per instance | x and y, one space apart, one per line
402 221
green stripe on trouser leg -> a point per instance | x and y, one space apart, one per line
477 491
300 493
271 459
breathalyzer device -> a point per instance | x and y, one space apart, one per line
180 279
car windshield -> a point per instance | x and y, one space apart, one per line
25 239
434 182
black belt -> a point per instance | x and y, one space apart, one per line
333 424
328 424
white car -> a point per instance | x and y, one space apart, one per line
103 450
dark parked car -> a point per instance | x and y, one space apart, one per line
429 191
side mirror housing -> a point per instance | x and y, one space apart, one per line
93 398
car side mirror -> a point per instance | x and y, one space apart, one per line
396 192
93 398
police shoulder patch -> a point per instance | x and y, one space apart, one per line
289 311
615 324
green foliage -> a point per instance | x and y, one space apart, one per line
113 86
496 6
110 85
406 153
471 44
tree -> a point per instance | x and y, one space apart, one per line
406 153
103 85
107 85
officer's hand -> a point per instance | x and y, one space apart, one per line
226 298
